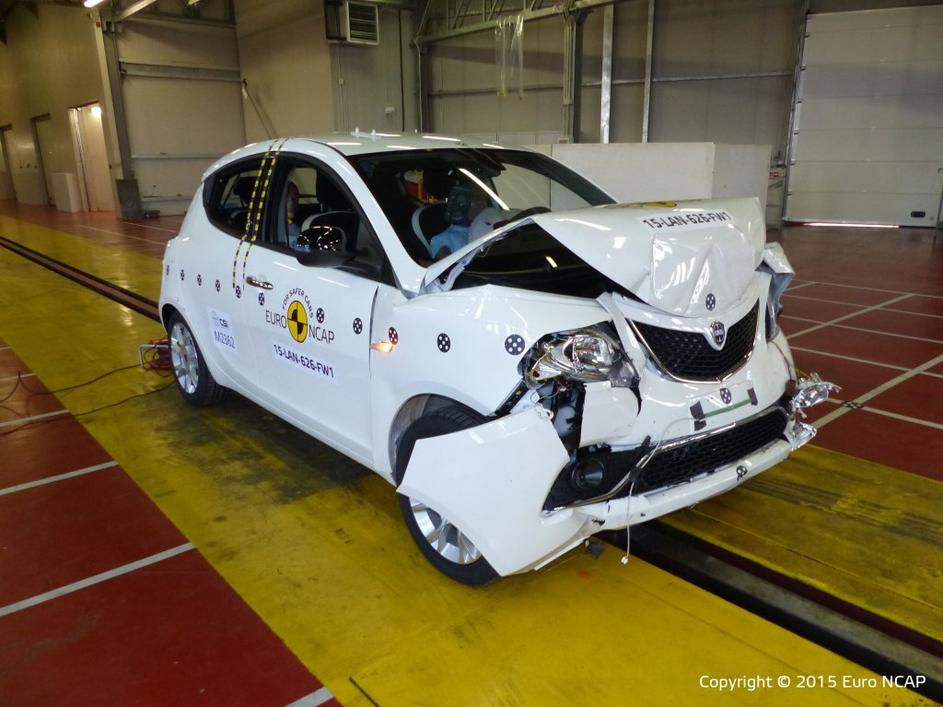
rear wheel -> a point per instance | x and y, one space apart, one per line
442 542
193 378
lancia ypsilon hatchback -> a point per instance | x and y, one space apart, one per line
525 360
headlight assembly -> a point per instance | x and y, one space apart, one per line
586 355
781 273
772 318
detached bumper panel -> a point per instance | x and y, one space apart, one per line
490 481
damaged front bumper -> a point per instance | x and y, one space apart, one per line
493 481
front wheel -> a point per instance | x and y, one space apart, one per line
442 543
194 380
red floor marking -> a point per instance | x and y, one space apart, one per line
790 325
72 529
874 347
936 369
170 634
920 397
846 294
854 378
99 226
921 305
815 309
894 443
906 259
25 398
28 455
898 323
10 365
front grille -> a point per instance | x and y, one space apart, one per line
688 355
682 463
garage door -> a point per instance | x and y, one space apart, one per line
183 100
868 140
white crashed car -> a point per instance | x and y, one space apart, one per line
577 366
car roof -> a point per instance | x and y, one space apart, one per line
363 143
359 142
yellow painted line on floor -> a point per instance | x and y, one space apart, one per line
314 543
116 263
861 531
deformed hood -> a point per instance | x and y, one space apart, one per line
685 258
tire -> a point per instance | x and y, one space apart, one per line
453 554
194 380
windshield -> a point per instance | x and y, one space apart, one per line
439 200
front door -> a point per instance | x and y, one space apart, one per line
309 325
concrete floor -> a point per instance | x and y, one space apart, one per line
313 544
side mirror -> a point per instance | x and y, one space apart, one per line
322 246
325 241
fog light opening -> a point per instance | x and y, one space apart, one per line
587 474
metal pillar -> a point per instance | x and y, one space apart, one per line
126 186
605 86
572 72
649 45
792 127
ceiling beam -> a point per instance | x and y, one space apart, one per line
134 8
528 16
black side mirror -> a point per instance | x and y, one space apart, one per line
326 242
323 246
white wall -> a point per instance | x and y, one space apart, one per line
634 172
48 65
285 58
369 80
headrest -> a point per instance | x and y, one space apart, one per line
243 188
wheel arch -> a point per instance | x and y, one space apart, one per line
410 411
166 312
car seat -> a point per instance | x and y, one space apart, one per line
429 221
239 216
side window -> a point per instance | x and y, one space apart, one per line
229 195
309 198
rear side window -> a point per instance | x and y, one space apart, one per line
229 193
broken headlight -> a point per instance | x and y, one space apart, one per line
781 273
772 320
586 355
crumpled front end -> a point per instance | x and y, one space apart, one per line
617 423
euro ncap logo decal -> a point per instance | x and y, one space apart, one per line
297 321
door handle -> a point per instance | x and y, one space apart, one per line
255 282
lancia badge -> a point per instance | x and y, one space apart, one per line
719 333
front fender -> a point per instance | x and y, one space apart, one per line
491 482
